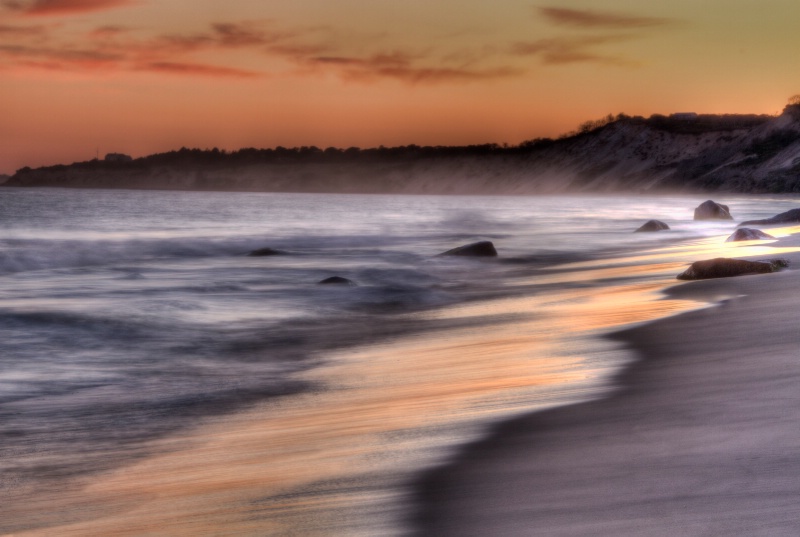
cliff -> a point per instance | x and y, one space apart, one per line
731 153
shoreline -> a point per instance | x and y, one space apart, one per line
699 437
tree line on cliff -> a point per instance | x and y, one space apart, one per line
682 150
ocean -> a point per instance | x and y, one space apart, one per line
138 340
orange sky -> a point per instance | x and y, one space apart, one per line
78 77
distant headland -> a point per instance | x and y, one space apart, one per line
684 152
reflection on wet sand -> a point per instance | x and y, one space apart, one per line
334 462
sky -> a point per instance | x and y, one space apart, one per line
82 78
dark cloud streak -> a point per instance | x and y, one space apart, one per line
402 66
179 68
69 55
573 49
61 7
583 18
10 30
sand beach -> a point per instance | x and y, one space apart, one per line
700 438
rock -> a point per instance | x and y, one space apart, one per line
476 249
652 225
261 252
711 210
778 264
336 280
722 267
748 234
789 217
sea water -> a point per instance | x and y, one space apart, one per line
130 316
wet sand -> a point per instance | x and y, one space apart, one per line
702 436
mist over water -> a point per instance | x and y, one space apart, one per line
128 315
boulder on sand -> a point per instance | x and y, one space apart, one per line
789 217
476 249
748 234
336 280
722 267
652 225
261 252
711 210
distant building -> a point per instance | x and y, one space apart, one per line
117 157
684 115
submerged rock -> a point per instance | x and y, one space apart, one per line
722 267
261 252
748 234
336 280
789 217
476 249
711 210
652 225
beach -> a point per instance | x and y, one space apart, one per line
700 437
167 383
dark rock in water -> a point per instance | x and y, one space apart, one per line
711 210
652 225
748 234
476 249
336 280
265 252
722 267
789 217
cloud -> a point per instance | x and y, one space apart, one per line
244 35
67 55
302 51
117 48
400 66
108 31
57 59
21 32
573 49
445 74
9 30
197 69
60 7
583 18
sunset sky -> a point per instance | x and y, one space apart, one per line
86 77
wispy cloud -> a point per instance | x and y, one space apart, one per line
108 31
60 7
178 68
232 50
318 50
110 48
584 18
246 35
400 66
412 68
574 49
596 29
69 55
10 30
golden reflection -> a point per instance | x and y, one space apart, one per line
229 473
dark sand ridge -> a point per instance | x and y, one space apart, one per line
701 438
